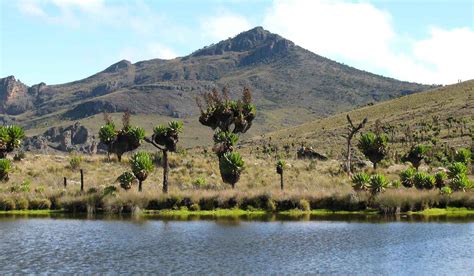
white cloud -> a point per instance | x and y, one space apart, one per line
224 26
149 51
363 36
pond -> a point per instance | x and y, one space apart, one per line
320 245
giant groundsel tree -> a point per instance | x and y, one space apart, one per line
228 118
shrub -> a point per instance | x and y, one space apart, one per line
11 138
373 146
406 177
199 182
110 190
40 204
422 180
440 179
142 164
92 190
396 184
126 180
75 162
5 168
20 155
461 182
463 155
378 183
231 165
361 181
416 155
7 204
303 205
22 203
194 207
457 168
446 190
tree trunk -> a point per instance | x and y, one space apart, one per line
281 180
375 166
233 185
82 180
348 155
165 171
65 182
140 185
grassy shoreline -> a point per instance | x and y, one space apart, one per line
241 212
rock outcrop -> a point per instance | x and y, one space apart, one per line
73 138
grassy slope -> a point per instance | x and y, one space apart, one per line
326 134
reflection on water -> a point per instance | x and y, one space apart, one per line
332 244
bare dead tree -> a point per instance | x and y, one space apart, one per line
352 130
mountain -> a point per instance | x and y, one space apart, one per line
290 85
450 105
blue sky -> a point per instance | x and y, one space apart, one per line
57 41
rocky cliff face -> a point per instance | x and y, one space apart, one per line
73 138
14 96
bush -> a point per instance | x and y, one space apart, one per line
303 205
361 181
40 204
423 180
461 182
463 156
21 203
378 183
440 179
194 207
396 184
457 168
446 190
110 190
7 204
406 177
373 146
126 180
199 183
5 168
20 155
75 162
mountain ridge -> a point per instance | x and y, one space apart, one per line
281 74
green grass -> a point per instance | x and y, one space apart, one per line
444 211
31 212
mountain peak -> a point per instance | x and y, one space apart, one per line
123 64
249 40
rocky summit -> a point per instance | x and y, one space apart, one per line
282 76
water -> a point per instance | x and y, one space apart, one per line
327 245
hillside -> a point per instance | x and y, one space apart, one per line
290 85
414 113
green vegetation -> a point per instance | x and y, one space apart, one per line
361 181
228 118
126 180
280 168
416 154
373 146
142 165
165 139
11 138
5 168
127 139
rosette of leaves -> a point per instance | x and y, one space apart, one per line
361 181
231 165
461 182
168 136
280 167
126 180
373 146
142 165
107 135
128 139
406 177
457 168
464 156
5 168
11 138
224 141
440 179
378 183
416 154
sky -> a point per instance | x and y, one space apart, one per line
58 41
